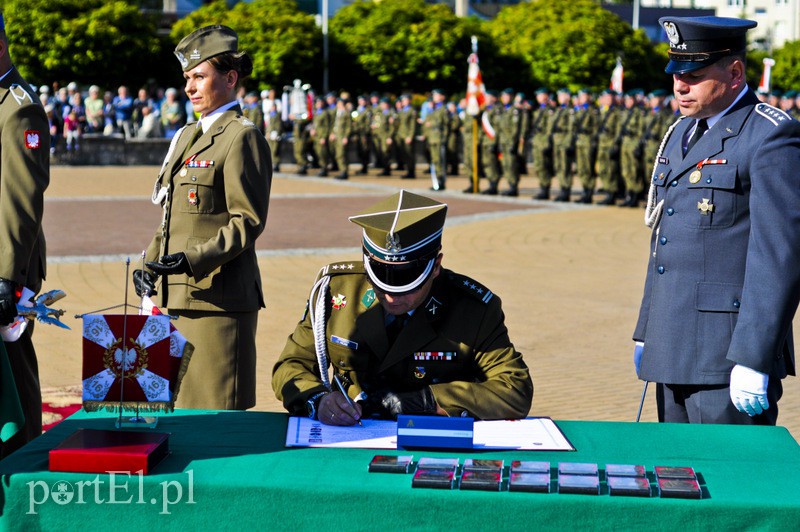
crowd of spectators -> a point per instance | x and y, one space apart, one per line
73 113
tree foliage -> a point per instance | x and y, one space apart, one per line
89 41
283 42
405 43
574 44
786 72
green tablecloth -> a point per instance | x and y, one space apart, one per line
233 472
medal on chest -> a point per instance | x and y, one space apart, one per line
697 175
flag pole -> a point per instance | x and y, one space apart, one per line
124 357
474 176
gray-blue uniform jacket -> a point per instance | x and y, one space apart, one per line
723 280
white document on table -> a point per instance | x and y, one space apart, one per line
531 434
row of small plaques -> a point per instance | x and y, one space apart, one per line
531 476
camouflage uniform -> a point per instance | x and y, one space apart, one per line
560 132
585 134
542 148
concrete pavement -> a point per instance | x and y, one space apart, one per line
570 276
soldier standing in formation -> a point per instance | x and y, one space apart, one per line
273 129
340 136
508 123
406 121
488 143
563 152
608 145
320 131
584 130
435 128
524 131
382 123
542 143
631 135
656 123
362 118
453 137
300 115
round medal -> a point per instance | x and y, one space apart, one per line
695 176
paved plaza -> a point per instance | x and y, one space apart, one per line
570 276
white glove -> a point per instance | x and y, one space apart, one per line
749 390
638 349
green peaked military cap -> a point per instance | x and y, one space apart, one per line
205 43
403 227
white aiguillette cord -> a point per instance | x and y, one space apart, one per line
159 192
316 313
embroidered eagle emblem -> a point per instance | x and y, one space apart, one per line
32 139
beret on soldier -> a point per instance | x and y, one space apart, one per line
205 43
697 42
402 236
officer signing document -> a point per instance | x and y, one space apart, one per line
403 334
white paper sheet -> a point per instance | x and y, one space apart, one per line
531 434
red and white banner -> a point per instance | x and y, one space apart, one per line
476 90
616 77
766 76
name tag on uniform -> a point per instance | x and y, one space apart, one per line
446 356
344 341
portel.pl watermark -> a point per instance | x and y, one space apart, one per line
117 487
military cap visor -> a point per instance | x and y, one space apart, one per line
697 42
205 43
398 278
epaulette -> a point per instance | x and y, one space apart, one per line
340 268
774 115
243 120
470 286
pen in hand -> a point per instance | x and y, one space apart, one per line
341 389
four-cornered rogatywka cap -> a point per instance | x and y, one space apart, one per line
402 236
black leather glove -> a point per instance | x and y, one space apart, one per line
144 282
8 303
387 403
171 264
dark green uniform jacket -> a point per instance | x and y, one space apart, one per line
456 342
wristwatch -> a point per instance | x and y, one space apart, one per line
313 404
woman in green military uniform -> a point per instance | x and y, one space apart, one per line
214 188
405 335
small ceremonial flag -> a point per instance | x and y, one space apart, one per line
151 361
476 90
766 75
616 77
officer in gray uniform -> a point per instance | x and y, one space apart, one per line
722 287
403 334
